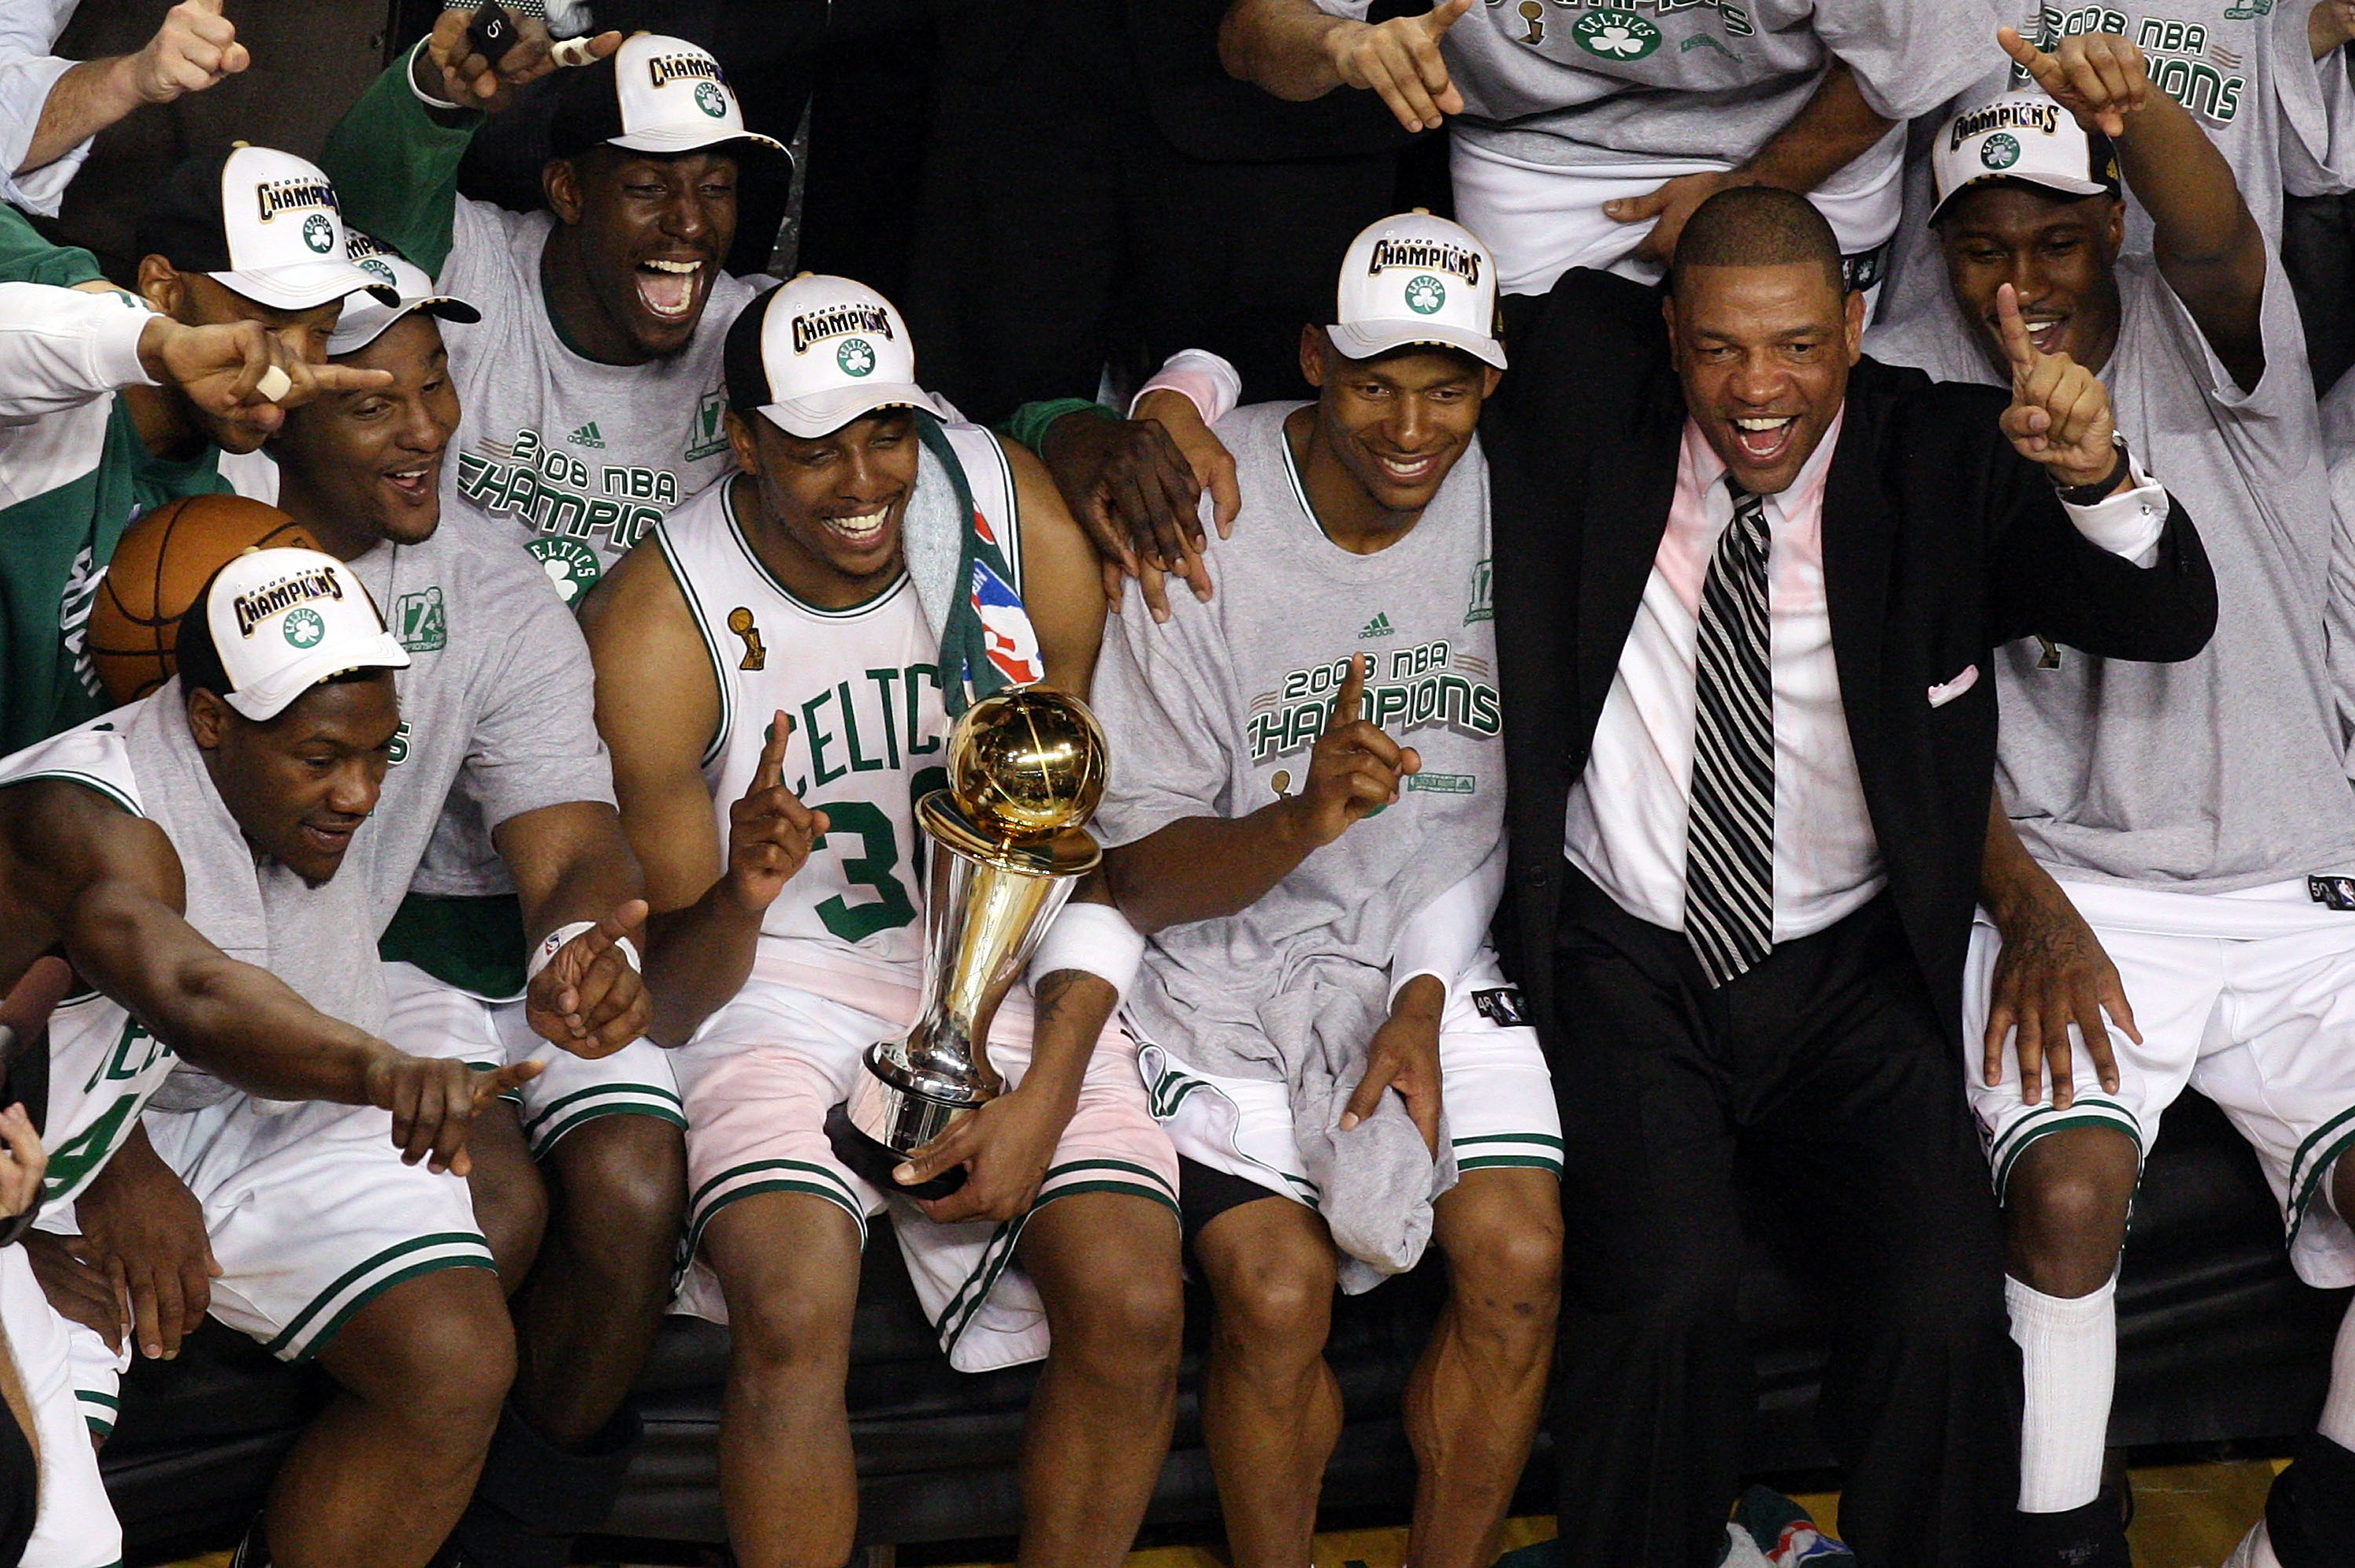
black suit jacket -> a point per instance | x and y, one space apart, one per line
1939 541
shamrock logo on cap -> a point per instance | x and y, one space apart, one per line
1999 150
711 99
303 628
318 233
1425 294
378 269
857 357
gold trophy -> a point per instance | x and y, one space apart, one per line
1026 770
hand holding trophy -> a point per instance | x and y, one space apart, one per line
1027 768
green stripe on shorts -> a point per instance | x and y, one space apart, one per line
371 1277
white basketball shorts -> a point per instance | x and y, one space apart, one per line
429 1018
2248 997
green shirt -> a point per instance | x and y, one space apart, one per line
73 474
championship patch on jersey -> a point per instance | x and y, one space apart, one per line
1007 634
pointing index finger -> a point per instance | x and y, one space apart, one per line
2018 47
1352 695
2017 348
771 769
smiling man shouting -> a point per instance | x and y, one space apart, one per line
591 390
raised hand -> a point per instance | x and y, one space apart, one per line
450 68
1399 60
225 370
1404 1056
769 832
195 48
1355 768
589 997
2098 77
2059 415
434 1100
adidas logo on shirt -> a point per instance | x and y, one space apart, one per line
587 436
1378 627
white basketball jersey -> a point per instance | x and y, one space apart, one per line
862 685
103 1064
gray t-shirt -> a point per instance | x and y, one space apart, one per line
317 939
575 457
1213 715
497 707
1570 83
2341 619
2221 771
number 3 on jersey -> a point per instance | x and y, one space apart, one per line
875 866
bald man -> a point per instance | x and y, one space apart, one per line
1746 795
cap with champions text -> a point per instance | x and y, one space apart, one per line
814 353
282 620
1416 280
366 316
2021 138
263 223
654 94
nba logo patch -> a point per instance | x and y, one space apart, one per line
1006 637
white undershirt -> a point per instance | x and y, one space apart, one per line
1628 813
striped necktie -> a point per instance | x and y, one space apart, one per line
1730 838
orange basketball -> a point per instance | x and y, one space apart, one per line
162 562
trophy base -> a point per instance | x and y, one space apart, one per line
874 1160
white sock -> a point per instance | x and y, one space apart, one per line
2069 1354
2338 1422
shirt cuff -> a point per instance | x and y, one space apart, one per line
114 344
2129 523
1199 377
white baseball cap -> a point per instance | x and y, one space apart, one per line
1414 279
262 222
283 620
366 316
2025 137
656 94
813 355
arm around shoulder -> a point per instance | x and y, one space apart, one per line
1062 586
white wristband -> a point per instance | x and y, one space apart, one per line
1094 938
408 75
553 944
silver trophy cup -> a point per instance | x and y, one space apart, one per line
1026 770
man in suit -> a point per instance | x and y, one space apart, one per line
1792 1008
1746 584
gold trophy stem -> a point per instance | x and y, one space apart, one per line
986 904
